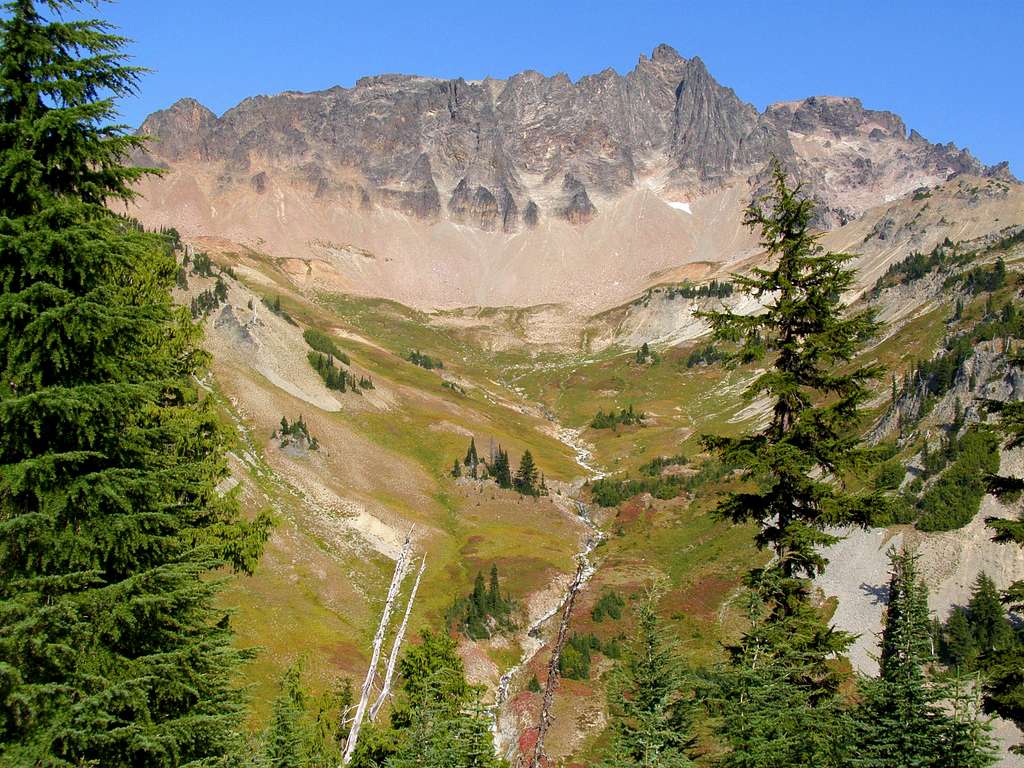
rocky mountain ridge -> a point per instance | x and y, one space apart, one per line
500 155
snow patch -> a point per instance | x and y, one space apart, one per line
684 207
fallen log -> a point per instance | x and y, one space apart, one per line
556 654
401 568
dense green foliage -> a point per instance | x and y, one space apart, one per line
209 299
609 604
705 354
484 611
903 720
980 279
625 416
200 264
324 344
335 377
527 480
954 499
304 731
1004 682
649 701
917 265
713 289
437 720
574 663
805 328
424 361
612 491
112 651
656 465
933 378
645 355
500 468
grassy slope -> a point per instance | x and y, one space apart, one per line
315 599
697 561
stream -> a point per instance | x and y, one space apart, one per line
533 641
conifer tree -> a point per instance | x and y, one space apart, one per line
959 648
112 652
501 471
1004 684
798 461
494 591
479 596
777 698
989 625
471 457
285 741
526 477
439 720
902 721
649 701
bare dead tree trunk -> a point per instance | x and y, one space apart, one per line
556 654
401 568
396 646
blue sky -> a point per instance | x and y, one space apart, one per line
952 70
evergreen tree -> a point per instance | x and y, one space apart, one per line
902 721
526 477
471 457
959 648
479 597
989 625
494 602
649 701
798 460
285 741
1004 684
112 652
439 720
777 699
775 703
456 469
501 471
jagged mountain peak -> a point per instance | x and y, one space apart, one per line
531 170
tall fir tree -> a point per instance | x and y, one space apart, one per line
526 476
112 651
650 701
904 719
1004 683
777 699
991 629
494 601
799 460
502 471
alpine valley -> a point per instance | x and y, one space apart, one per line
410 285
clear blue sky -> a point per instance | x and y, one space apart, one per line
952 70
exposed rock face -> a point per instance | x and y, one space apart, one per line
577 208
481 153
